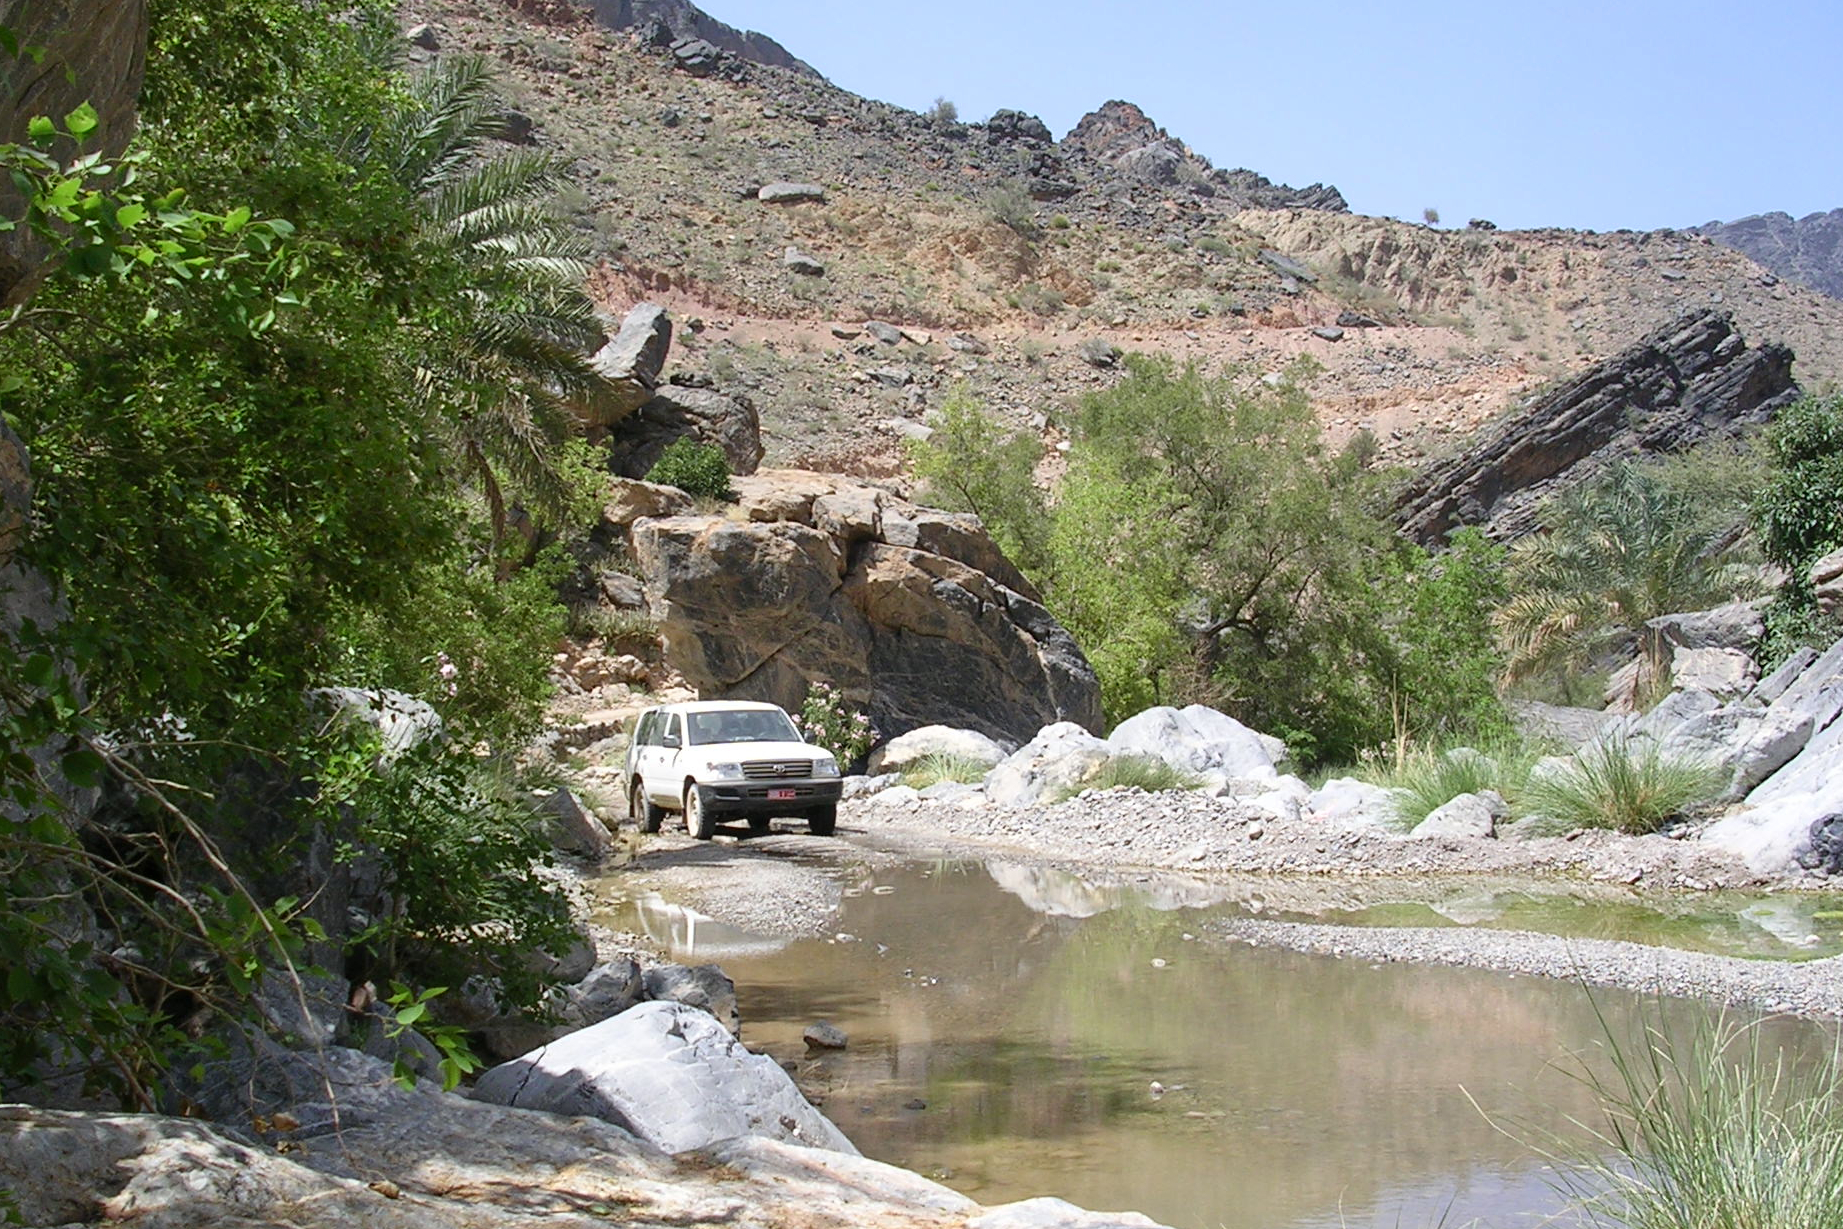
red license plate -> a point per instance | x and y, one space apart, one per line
782 795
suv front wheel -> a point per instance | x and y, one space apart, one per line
821 820
699 822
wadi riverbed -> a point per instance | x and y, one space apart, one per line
1249 1051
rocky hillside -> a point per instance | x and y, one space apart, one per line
998 253
1807 249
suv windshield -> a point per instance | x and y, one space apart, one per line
748 725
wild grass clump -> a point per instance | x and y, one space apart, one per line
939 766
1135 772
1423 779
1633 787
1713 1132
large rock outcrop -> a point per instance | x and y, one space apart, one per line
1693 380
1807 249
95 51
1118 136
683 20
913 613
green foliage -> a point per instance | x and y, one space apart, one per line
693 467
1617 551
1632 787
1712 1131
972 464
250 439
1800 512
1203 547
827 720
942 113
1140 772
939 766
409 1011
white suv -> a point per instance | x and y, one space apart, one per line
712 758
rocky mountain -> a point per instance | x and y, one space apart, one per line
1807 249
682 20
989 254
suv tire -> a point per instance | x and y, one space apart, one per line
699 822
821 820
641 810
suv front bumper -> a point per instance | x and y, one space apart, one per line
733 797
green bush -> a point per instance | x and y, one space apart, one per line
827 720
693 467
1631 787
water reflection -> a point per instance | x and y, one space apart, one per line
1017 1032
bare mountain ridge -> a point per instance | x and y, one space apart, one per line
1808 250
685 20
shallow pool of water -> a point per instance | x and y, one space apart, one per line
1017 1032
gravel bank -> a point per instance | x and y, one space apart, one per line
1811 988
1193 833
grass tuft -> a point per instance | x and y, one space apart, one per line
1632 787
1427 778
939 766
1715 1131
1135 772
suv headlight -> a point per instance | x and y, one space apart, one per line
726 771
825 767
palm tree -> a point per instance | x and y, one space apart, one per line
1614 553
517 372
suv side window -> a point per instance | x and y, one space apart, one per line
643 733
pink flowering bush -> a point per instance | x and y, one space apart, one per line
827 721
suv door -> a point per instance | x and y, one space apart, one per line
637 747
660 772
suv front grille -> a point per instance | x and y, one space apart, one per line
773 770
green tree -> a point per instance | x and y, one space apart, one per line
1800 517
972 464
1205 547
1613 553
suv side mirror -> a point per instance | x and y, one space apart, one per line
669 740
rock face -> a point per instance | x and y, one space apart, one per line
1121 137
95 52
1693 380
685 21
912 613
1807 249
668 1073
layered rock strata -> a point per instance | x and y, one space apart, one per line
1692 380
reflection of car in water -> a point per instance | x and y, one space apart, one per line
712 758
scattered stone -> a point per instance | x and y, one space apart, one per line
697 57
1099 352
883 331
845 332
1469 816
789 193
892 377
706 987
822 1035
1329 333
1356 320
1286 266
423 36
1011 125
966 343
801 263
906 749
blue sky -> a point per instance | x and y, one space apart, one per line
1621 113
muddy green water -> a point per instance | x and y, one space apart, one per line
1016 1032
